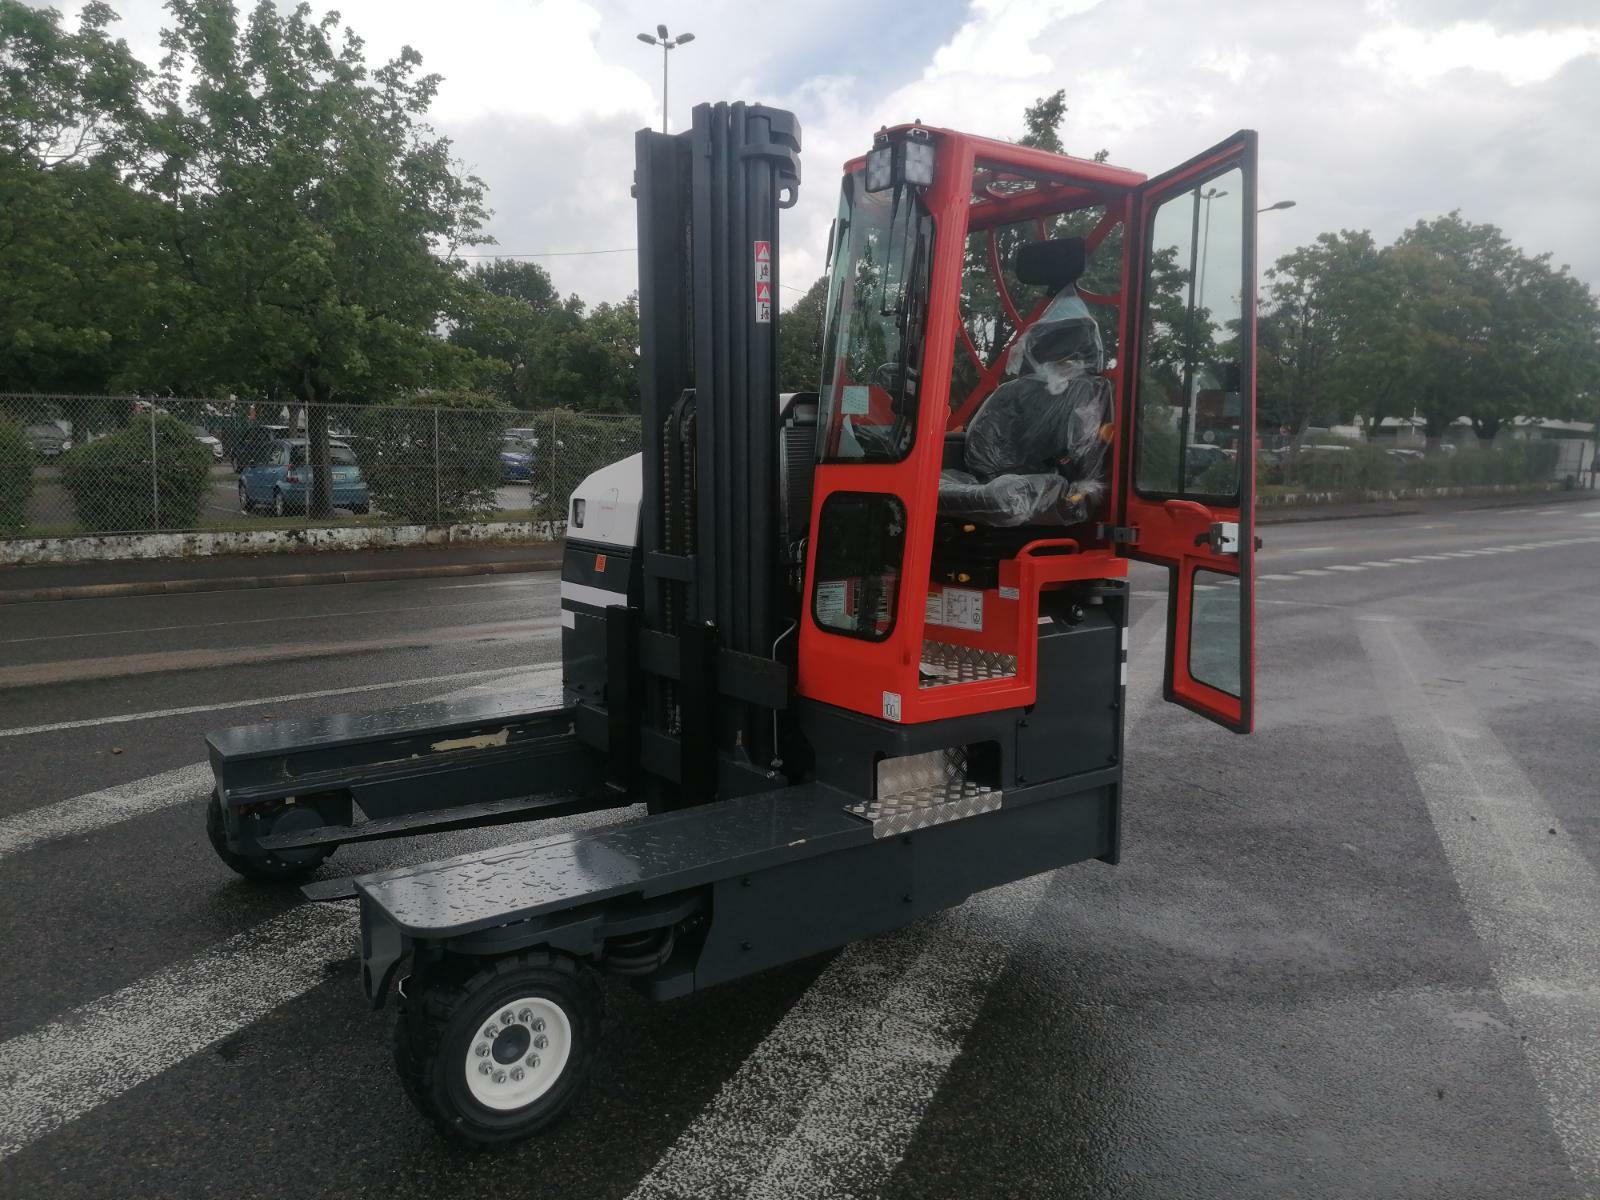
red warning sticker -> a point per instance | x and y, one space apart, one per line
762 266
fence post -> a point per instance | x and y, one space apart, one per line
437 500
550 508
155 473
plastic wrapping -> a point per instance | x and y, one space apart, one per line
1036 452
1009 500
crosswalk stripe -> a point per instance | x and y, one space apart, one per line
1531 897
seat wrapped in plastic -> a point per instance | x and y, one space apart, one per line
1035 453
1009 500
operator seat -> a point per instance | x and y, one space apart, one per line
1035 453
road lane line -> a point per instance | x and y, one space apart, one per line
124 801
93 1053
1311 571
1405 560
158 713
1529 892
1261 577
829 1101
1346 568
1378 563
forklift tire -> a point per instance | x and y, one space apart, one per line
494 1055
264 868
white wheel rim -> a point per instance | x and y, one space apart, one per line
517 1053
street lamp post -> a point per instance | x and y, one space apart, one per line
660 38
1281 204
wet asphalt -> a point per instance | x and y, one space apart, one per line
1296 982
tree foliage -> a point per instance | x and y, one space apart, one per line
110 479
800 334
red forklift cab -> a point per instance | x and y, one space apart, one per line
925 308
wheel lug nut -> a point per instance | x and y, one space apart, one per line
491 1031
481 1049
505 1017
484 1068
516 1074
525 1015
540 1042
532 1060
538 1024
499 1076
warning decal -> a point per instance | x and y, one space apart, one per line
762 265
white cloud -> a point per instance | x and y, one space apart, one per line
1372 113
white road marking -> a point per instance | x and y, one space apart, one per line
1589 516
1301 549
93 1053
827 1104
1261 577
1405 560
1457 554
1345 568
94 810
1431 557
156 714
1378 563
122 802
1311 571
1530 893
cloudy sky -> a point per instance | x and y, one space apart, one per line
1372 113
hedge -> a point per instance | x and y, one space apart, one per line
16 475
109 479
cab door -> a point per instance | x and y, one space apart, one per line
1186 461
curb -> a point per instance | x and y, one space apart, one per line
173 587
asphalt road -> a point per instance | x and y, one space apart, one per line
1355 954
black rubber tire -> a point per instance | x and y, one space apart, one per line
265 868
440 1018
279 508
246 505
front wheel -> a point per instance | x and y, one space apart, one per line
265 868
494 1055
245 503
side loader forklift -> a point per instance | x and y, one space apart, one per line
861 652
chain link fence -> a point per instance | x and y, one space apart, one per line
121 464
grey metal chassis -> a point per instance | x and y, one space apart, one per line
419 768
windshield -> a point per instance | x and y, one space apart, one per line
877 309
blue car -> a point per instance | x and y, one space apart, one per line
282 483
516 461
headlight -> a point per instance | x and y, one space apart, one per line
880 168
919 163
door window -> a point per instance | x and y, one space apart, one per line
1214 622
861 540
1191 440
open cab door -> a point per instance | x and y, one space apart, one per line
1186 460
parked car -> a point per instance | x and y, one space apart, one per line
516 460
1200 458
282 484
206 440
49 439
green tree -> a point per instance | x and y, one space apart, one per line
83 271
800 334
308 200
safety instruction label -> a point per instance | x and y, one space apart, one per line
959 608
762 264
830 601
891 706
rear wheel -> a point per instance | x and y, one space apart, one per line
245 504
289 867
279 509
493 1055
